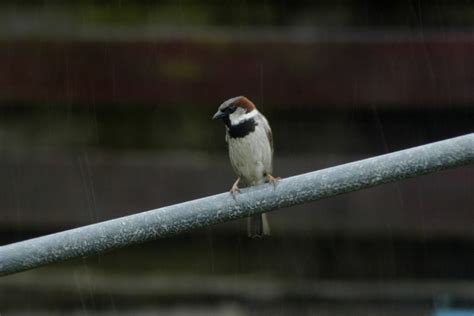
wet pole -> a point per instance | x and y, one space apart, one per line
179 218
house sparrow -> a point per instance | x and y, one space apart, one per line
250 143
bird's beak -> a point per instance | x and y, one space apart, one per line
219 114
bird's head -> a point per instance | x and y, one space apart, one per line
235 110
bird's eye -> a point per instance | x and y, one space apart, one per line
230 109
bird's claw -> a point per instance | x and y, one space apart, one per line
273 180
234 189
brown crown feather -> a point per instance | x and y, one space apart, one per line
244 103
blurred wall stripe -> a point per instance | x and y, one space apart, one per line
381 69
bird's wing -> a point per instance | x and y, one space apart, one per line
268 131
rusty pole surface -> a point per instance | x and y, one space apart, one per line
179 218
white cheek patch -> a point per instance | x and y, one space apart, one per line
238 117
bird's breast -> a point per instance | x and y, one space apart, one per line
251 155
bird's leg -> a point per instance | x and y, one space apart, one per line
271 179
235 187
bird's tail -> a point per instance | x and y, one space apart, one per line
257 226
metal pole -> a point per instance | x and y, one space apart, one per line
175 219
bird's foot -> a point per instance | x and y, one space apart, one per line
273 180
235 187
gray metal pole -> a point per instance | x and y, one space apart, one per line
224 207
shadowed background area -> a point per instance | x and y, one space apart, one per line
105 111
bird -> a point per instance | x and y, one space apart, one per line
250 144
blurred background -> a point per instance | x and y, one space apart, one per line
105 111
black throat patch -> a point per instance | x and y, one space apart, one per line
242 129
